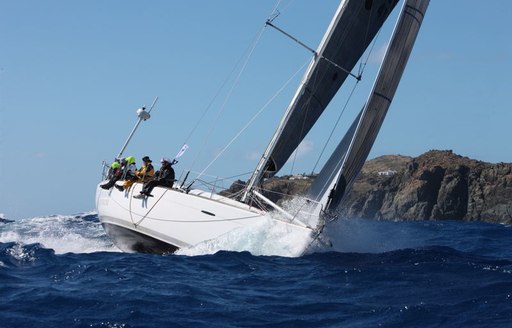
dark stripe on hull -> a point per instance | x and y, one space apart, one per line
131 241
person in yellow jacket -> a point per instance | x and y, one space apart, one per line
145 173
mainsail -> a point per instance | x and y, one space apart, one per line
372 115
352 29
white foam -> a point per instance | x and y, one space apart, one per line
62 233
267 237
78 234
20 254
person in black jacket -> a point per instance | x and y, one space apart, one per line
115 172
163 177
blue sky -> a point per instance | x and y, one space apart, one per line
73 73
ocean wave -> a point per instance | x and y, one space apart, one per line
79 233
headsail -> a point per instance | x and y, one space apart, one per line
372 116
353 27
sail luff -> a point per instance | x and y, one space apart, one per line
353 27
385 86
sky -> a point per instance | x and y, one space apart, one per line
73 73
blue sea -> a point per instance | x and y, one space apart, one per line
63 271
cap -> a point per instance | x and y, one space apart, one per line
165 160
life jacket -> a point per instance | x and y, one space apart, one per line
145 171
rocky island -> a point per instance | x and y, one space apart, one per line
435 185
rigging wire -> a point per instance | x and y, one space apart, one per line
319 57
273 14
249 50
296 152
335 126
290 4
247 55
254 117
362 66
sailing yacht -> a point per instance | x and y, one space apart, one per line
183 216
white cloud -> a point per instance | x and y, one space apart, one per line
305 147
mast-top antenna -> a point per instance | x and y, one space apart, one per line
143 116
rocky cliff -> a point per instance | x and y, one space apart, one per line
435 185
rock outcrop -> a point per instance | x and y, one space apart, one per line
436 185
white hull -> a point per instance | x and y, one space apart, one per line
173 219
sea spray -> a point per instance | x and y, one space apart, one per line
267 237
80 233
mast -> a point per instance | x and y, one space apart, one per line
351 30
143 116
265 163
